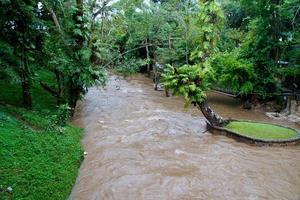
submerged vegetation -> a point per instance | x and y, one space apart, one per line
51 52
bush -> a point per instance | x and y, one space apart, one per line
131 66
62 115
236 73
189 81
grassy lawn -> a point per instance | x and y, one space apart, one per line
39 160
262 131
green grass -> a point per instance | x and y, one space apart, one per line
39 160
262 131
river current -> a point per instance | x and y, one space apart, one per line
143 145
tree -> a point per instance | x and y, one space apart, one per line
209 22
20 33
69 53
153 31
269 37
30 29
192 81
233 72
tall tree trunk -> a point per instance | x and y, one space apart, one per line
55 20
170 48
155 71
78 18
186 49
74 95
212 117
27 100
24 72
92 22
148 58
74 87
167 92
288 108
276 31
60 84
187 29
102 25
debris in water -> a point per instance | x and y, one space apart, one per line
85 153
179 152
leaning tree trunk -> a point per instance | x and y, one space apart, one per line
212 117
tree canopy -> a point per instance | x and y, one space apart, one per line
249 47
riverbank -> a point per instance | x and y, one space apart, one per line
230 107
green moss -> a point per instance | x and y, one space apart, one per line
262 131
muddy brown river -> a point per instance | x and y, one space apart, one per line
142 145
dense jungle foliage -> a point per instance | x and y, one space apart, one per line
250 47
52 51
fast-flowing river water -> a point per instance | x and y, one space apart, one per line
143 145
